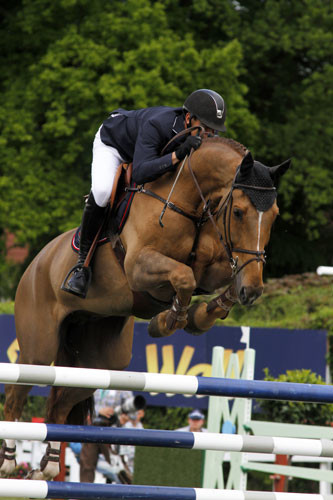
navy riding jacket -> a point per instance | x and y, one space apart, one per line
140 136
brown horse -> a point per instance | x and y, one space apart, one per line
213 235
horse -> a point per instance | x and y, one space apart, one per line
198 229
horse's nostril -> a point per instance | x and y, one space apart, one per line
248 294
242 295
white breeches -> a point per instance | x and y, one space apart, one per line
105 163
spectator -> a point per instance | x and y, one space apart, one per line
196 421
134 422
76 449
115 471
105 403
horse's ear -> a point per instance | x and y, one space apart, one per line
278 170
246 165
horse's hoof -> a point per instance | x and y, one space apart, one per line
7 469
7 472
35 474
155 331
153 328
191 327
173 323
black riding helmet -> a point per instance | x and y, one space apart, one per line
208 106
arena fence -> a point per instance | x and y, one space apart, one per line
177 384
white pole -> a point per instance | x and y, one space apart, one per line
321 270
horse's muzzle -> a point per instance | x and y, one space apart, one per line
248 294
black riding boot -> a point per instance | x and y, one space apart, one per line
92 219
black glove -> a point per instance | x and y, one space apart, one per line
192 141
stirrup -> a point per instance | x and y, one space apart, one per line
65 288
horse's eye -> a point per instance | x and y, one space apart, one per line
238 213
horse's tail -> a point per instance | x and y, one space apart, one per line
67 355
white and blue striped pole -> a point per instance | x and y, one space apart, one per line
167 439
163 383
15 488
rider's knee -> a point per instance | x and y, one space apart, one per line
102 195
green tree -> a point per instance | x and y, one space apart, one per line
73 61
296 412
65 64
287 48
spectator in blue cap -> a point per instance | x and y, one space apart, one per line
196 421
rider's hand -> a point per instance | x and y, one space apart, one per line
192 141
107 411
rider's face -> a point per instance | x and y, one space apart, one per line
196 123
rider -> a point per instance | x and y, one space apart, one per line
138 136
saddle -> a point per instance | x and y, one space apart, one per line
119 205
121 182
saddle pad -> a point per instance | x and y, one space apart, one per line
75 244
122 211
118 222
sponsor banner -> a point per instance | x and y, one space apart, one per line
184 354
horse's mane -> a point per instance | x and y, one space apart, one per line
236 146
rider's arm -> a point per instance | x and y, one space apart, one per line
148 165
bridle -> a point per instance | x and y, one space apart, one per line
223 209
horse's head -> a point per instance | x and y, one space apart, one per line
248 216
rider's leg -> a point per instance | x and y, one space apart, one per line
106 161
92 219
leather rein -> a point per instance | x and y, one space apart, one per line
224 209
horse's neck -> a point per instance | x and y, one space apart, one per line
213 166
214 170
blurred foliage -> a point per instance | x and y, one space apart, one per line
302 301
167 418
296 412
7 307
66 65
296 301
34 407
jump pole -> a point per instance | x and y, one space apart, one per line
11 373
16 488
166 439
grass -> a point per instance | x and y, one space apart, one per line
301 302
7 308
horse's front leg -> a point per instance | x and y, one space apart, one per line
150 271
202 316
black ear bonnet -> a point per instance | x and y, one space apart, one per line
258 176
257 181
